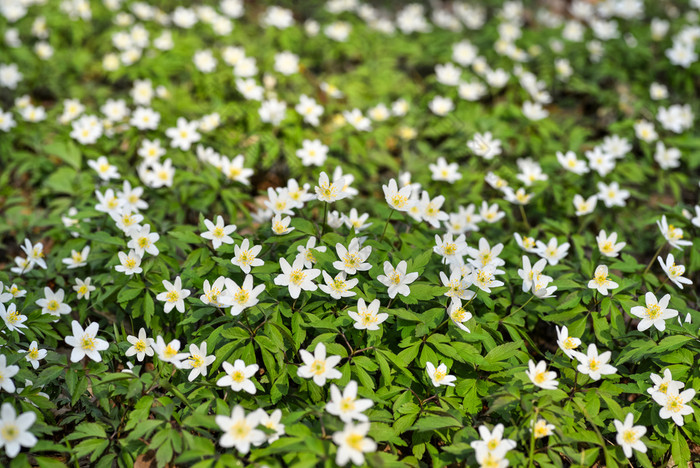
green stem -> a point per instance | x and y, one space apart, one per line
521 307
323 223
386 225
522 213
646 270
530 460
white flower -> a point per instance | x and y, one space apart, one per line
674 404
493 441
280 226
441 106
532 274
353 258
104 169
528 244
490 214
34 354
245 257
14 430
218 233
567 343
484 278
330 192
445 172
569 162
439 375
552 251
458 314
645 131
296 278
655 313
395 198
240 298
673 271
485 255
143 240
272 422
197 361
396 279
173 296
130 263
534 111
668 158
52 303
312 153
600 280
458 285
238 376
338 287
214 294
184 134
612 195
430 209
140 345
352 443
593 364
485 145
541 428
310 111
367 317
77 259
85 342
168 352
346 405
306 254
672 234
663 384
13 319
357 120
240 430
539 376
629 436
607 244
317 366
6 374
272 111
585 205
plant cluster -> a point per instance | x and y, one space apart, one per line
240 234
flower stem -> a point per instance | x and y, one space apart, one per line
651 262
530 460
323 223
522 213
386 225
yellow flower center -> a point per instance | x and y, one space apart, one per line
653 312
242 296
675 404
449 249
629 436
87 343
318 367
13 317
240 430
82 290
53 305
173 296
540 377
196 361
238 376
569 343
9 432
33 353
130 263
140 346
297 277
347 405
354 441
492 444
594 364
218 232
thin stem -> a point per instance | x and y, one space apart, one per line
522 213
386 225
662 283
530 460
323 223
521 307
653 258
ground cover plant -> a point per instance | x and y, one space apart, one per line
342 233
